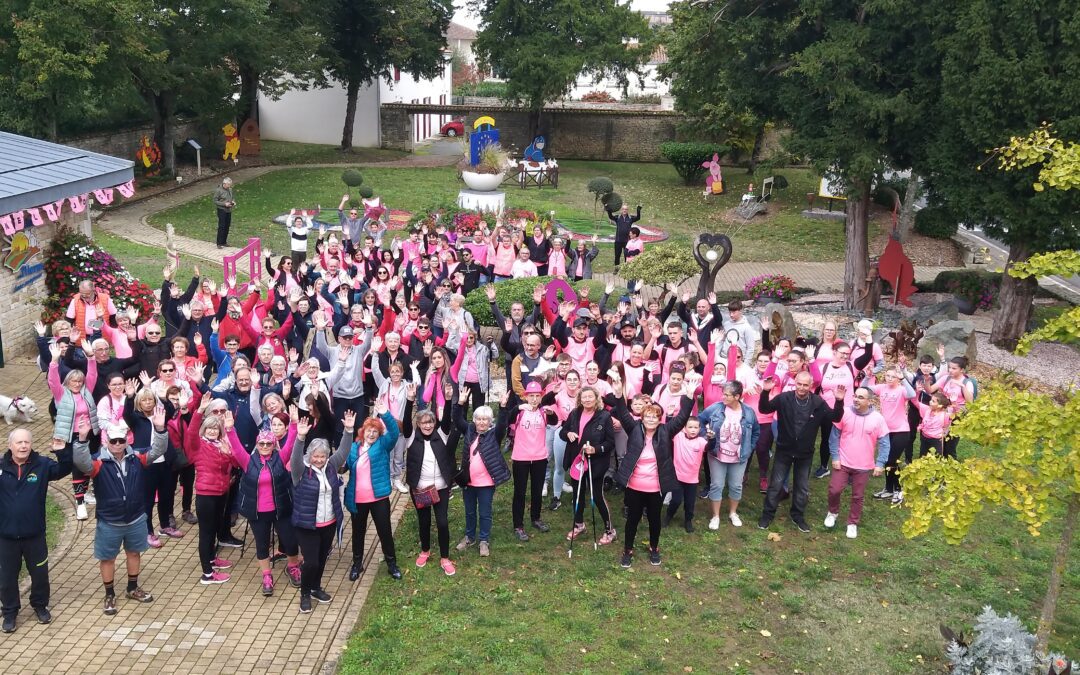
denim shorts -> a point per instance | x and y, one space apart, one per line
109 537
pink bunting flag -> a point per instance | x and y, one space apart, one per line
18 219
35 217
104 197
127 189
77 203
8 224
52 211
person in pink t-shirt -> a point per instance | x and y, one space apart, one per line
590 440
859 446
893 396
734 428
529 456
482 469
959 388
935 423
689 448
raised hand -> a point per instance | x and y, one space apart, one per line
376 343
686 297
319 319
54 351
195 271
380 406
158 418
349 420
197 338
286 388
714 336
410 391
214 323
303 426
133 314
268 253
504 399
711 298
941 351
211 286
489 290
231 281
185 309
463 397
40 328
166 272
229 420
144 377
130 386
549 353
508 325
538 293
87 347
840 391
58 444
609 288
428 347
84 428
768 383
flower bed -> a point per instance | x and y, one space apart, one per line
70 259
770 288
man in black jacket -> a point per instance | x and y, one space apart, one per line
24 482
800 415
623 223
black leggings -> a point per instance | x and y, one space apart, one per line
638 503
158 480
315 545
685 495
824 455
620 250
898 442
210 510
583 498
261 527
926 444
526 472
442 525
380 514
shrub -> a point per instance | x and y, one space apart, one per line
487 89
521 290
935 222
352 177
687 158
1000 645
598 97
366 192
612 201
770 287
882 196
978 287
662 264
71 258
642 99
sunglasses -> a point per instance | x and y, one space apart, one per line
117 441
153 332
423 328
382 273
414 309
167 370
263 444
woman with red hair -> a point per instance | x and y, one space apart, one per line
368 490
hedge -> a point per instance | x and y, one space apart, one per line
935 222
521 290
687 158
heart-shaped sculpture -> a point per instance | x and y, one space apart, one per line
712 251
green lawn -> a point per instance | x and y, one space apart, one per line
668 204
830 605
283 152
146 262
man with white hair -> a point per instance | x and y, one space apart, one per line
24 482
223 200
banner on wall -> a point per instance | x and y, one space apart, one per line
52 212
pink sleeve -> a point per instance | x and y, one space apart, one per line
91 373
53 378
456 367
239 453
732 363
111 309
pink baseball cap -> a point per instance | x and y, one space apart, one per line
534 388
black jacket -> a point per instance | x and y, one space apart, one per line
147 356
798 442
623 224
487 449
443 441
599 433
22 492
662 443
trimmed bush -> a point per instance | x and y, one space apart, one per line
71 258
687 158
366 192
662 264
489 89
935 222
352 177
521 290
612 201
979 287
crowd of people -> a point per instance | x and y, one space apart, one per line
280 404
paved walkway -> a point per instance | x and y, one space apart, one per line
188 628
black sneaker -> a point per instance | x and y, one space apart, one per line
305 604
541 526
278 557
43 614
764 524
555 504
9 624
231 542
627 559
822 471
803 527
520 533
321 595
654 556
189 518
689 527
704 494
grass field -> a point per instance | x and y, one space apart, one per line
729 601
667 204
281 152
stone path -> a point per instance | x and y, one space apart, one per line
190 628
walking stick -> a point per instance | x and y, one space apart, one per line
577 499
592 499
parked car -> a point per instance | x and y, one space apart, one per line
455 127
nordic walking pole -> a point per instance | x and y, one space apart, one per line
592 498
577 499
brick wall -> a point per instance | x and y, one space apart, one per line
23 292
124 142
633 135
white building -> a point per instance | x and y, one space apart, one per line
651 85
460 40
318 115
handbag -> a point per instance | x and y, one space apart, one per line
425 497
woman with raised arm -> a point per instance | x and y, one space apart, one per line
482 470
590 435
213 460
74 402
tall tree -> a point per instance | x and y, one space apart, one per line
367 39
540 47
1007 66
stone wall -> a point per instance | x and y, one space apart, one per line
571 133
124 142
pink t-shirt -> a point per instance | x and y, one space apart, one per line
687 457
530 439
635 376
832 377
601 386
752 396
479 251
646 475
859 435
557 263
729 436
954 390
893 406
265 499
564 404
478 473
580 353
365 494
934 424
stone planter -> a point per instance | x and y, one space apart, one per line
482 182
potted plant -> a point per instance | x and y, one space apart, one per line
487 174
766 288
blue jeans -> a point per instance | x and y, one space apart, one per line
556 451
729 474
481 496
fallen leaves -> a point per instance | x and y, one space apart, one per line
773 536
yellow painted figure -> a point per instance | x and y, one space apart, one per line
232 141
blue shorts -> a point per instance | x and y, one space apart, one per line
109 537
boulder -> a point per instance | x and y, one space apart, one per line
957 336
788 327
936 313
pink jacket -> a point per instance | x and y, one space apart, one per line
213 462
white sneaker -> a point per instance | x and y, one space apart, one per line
714 523
401 486
80 512
830 519
852 531
567 488
735 519
544 493
89 498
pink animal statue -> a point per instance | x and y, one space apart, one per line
714 182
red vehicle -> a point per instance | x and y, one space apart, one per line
455 127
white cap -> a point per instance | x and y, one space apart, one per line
116 431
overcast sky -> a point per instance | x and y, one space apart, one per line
461 16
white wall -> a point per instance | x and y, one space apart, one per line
653 85
318 115
408 89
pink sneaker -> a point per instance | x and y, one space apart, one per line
154 541
608 537
294 575
215 578
576 532
221 564
172 533
422 559
447 567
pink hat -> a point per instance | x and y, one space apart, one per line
534 388
266 436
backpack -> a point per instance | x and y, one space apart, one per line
974 386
